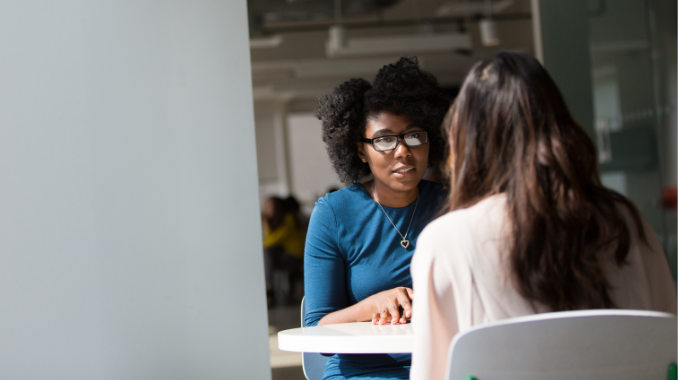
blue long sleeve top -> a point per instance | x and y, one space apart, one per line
352 252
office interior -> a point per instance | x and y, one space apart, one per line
615 61
138 141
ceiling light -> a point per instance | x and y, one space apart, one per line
488 32
266 42
455 8
337 38
338 46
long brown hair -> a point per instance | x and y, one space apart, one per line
510 132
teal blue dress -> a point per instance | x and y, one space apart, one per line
352 252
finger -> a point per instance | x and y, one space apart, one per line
403 319
404 300
384 316
410 293
394 310
375 318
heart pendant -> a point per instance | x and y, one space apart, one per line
405 243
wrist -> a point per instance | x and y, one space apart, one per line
364 310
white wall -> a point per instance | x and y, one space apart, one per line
269 118
129 235
311 171
266 145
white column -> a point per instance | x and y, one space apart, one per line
129 235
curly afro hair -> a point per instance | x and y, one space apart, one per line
401 88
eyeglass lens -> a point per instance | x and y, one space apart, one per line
384 143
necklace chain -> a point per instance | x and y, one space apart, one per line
404 242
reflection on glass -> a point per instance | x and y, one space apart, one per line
629 62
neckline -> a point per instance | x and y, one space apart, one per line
366 193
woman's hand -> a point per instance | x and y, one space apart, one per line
391 306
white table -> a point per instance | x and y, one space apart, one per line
349 338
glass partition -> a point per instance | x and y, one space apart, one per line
634 110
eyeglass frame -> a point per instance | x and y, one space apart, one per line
399 138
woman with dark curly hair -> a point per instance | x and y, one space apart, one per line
361 239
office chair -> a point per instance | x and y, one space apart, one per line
589 344
312 363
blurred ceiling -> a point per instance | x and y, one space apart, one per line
288 40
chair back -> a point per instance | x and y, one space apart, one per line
312 363
590 344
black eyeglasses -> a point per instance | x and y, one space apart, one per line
384 143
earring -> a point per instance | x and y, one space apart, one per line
364 160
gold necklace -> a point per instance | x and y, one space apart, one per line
405 243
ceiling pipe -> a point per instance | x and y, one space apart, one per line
372 24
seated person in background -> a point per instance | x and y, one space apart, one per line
361 238
292 206
283 242
531 229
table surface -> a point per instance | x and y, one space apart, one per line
349 338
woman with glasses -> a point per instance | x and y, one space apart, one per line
531 229
381 138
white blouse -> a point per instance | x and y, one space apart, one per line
461 279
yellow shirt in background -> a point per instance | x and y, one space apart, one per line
288 236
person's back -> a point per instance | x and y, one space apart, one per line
530 227
467 252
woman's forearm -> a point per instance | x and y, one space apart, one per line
389 306
359 312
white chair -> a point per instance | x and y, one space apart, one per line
590 344
312 363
